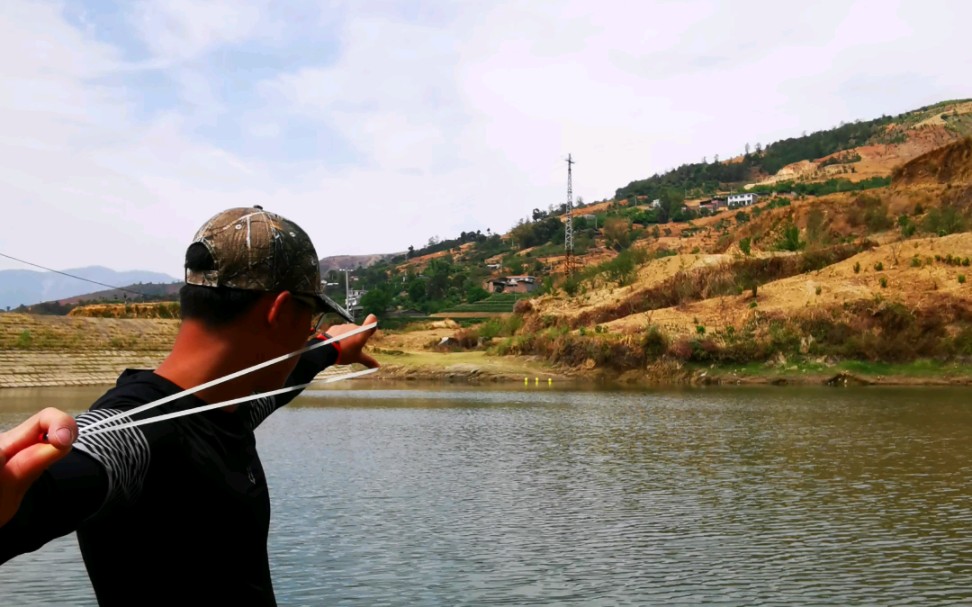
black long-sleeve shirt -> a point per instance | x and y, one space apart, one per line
170 512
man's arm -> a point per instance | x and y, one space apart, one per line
56 504
29 449
347 351
46 488
92 472
344 352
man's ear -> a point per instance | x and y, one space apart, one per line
277 306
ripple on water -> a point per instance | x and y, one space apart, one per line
723 497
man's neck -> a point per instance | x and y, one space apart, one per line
200 355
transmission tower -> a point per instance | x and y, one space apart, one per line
569 223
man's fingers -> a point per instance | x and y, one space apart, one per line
59 427
368 361
28 464
351 348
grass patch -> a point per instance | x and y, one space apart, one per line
916 368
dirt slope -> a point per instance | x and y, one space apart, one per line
951 164
918 271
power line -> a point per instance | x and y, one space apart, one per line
71 275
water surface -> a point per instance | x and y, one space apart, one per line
536 496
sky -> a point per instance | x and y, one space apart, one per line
377 125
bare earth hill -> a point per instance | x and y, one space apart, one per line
794 287
879 275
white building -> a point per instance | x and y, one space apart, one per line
742 200
353 303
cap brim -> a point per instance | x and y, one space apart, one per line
329 305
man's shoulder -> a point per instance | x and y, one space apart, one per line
135 387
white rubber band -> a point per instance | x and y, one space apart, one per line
226 378
228 403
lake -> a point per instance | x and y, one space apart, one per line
541 495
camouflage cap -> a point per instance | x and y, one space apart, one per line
256 250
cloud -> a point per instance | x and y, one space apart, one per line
87 182
379 125
183 30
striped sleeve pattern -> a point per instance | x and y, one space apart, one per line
260 410
124 454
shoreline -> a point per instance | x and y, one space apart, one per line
38 369
660 375
43 351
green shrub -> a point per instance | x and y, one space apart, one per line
570 285
744 246
857 267
25 339
655 343
943 221
879 266
791 239
961 279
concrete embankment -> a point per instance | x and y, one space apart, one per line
40 351
69 351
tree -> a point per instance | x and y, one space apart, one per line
513 264
416 290
617 233
476 293
376 301
815 226
438 272
672 201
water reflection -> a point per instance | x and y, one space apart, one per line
541 496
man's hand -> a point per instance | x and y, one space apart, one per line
24 455
350 349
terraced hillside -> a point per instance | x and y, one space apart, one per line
497 304
64 351
882 275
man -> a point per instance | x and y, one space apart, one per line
178 511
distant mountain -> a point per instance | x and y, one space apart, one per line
28 287
351 262
151 291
